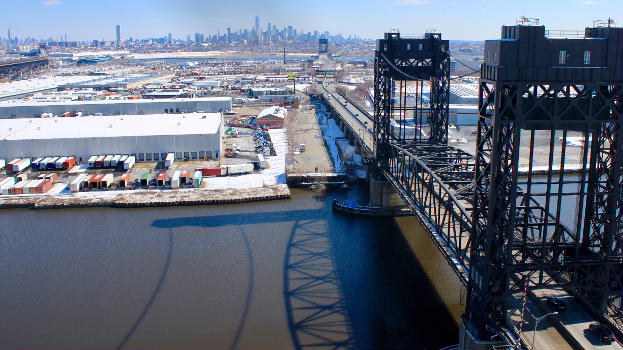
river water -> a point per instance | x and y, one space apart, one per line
258 275
268 275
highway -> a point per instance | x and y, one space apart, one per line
361 126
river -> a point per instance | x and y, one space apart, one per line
253 276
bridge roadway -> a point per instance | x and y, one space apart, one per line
14 67
358 122
552 333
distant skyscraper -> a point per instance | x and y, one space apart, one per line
118 35
170 38
257 24
9 37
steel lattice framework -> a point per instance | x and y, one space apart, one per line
541 201
554 95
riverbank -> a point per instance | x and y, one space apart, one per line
146 198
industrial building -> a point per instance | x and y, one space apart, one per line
272 117
115 107
147 137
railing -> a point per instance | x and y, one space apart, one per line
437 208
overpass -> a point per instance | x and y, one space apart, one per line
14 69
501 231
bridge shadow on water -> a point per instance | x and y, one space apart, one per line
347 282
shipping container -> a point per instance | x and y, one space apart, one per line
41 176
145 179
92 161
99 162
106 181
51 177
13 162
34 164
21 165
51 165
122 160
26 188
197 178
59 162
115 161
169 160
213 171
261 160
107 160
86 181
124 180
161 180
17 187
76 184
129 163
69 162
32 187
6 184
95 181
2 163
175 180
21 177
44 186
239 169
185 177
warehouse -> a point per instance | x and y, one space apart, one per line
148 137
115 107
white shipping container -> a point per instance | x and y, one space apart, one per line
261 160
239 169
106 180
115 161
21 165
2 163
107 161
169 160
59 162
7 180
6 184
92 161
123 158
175 180
31 188
129 163
25 187
75 185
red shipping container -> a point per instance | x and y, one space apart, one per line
51 177
211 171
124 180
44 186
69 162
95 181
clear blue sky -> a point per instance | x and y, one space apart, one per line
456 19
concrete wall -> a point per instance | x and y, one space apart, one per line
137 145
115 108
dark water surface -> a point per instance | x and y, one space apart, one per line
283 274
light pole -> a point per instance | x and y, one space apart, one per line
536 322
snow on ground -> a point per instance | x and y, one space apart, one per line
274 173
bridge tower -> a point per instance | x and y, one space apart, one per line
547 201
411 91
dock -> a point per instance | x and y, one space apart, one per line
146 198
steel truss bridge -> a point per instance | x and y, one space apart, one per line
500 225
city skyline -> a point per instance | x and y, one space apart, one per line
457 20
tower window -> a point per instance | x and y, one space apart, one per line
562 57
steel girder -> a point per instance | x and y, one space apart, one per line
520 234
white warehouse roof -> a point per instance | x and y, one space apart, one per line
272 112
109 126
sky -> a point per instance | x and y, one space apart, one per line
455 19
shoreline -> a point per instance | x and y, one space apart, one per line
146 198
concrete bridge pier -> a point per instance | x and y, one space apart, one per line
468 341
380 193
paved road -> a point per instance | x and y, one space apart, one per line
350 114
